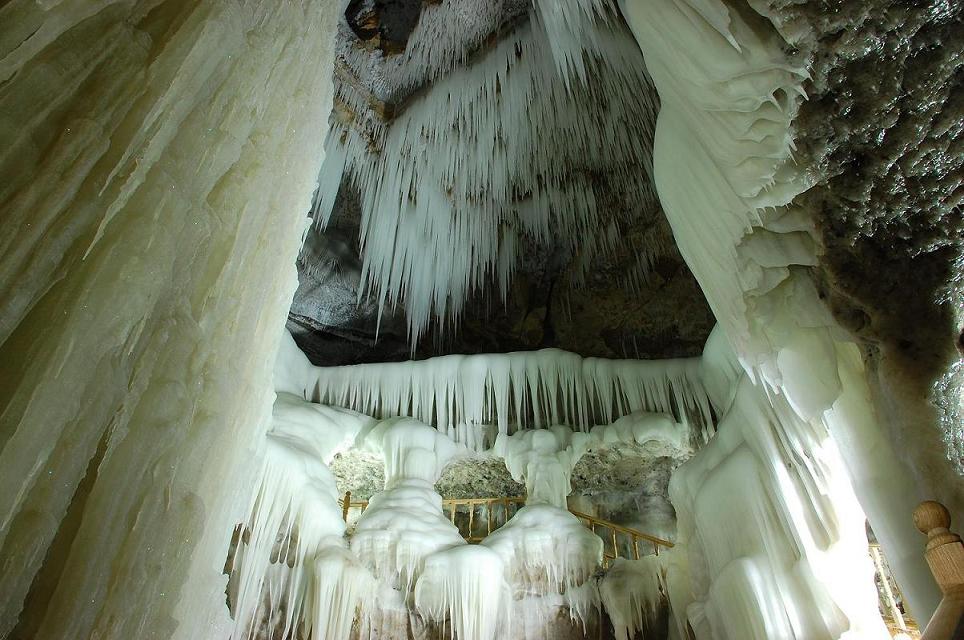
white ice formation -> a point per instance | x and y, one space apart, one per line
291 564
543 459
157 162
485 161
517 390
729 93
631 592
295 571
404 523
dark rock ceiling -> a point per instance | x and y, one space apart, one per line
882 133
615 313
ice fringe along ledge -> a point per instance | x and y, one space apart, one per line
518 390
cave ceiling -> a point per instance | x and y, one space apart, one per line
880 133
636 298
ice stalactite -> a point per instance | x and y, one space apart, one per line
518 390
631 592
456 185
157 162
292 572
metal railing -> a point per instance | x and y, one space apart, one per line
495 512
611 542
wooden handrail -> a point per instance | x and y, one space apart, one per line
451 505
945 555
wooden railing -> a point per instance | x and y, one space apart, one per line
945 555
619 541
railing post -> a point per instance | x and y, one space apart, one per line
345 505
945 555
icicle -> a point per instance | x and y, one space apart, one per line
462 180
291 564
465 586
631 592
517 390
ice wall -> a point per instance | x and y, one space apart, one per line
156 162
729 93
518 390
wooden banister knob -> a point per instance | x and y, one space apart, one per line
930 515
933 518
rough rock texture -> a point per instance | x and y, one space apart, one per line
622 483
883 132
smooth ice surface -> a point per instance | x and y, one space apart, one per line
517 390
157 162
738 500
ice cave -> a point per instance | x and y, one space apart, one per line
481 319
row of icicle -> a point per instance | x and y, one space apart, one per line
519 390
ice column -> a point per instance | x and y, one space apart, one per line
157 162
729 93
404 523
543 459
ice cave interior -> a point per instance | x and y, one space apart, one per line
478 319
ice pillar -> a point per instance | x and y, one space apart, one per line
158 161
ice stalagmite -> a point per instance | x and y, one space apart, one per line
292 567
413 549
158 161
548 553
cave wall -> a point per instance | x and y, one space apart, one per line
158 162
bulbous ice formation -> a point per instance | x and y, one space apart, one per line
291 563
543 459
